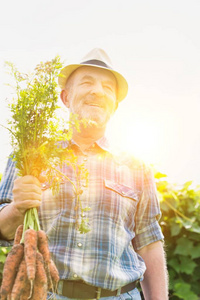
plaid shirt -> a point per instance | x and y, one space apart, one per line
123 218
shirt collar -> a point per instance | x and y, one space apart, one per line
102 143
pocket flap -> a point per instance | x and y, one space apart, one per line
122 189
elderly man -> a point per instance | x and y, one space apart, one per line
124 246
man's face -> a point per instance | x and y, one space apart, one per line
91 93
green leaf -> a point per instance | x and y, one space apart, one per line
4 250
164 207
195 228
183 291
191 207
195 252
186 185
186 224
196 275
159 175
184 246
2 258
187 266
175 229
174 263
162 186
194 236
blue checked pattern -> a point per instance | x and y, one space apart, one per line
123 218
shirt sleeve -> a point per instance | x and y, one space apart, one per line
147 228
7 182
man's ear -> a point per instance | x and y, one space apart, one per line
64 97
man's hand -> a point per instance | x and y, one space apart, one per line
27 193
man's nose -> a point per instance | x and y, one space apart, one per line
98 90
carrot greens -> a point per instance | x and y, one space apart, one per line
37 138
37 134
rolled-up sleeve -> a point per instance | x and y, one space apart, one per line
148 213
3 205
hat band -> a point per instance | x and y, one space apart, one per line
96 62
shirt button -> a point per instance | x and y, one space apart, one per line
85 159
75 275
80 244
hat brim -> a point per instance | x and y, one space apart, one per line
122 85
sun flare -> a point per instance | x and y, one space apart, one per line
141 137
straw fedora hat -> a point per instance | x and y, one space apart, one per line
99 59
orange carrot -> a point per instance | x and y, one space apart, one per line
43 246
49 279
11 265
40 285
30 250
18 235
26 292
20 282
54 274
8 297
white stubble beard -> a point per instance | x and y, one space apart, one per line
99 119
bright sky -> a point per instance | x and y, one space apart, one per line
155 44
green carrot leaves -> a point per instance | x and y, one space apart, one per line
36 133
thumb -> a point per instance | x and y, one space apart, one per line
42 178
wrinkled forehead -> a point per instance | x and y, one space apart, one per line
94 72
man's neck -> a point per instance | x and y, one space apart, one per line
87 136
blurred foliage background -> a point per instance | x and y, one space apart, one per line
180 222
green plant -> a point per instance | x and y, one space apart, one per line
180 206
37 139
37 135
34 131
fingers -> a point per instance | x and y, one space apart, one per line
27 205
28 179
24 194
27 193
42 178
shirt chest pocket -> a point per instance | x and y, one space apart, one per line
122 190
122 199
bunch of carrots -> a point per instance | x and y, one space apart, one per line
29 272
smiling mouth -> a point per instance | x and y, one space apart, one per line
94 105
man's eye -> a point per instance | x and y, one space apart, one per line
108 87
86 83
